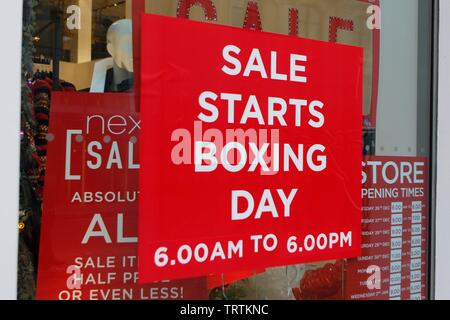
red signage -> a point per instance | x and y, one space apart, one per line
251 149
393 264
89 224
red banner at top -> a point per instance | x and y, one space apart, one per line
251 149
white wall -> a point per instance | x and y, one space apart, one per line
443 158
10 55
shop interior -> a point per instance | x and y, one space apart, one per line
71 53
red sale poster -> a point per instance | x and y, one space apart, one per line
251 150
393 264
88 245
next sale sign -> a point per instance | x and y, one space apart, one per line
251 150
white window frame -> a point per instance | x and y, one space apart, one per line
11 34
10 55
442 218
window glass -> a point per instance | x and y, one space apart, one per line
92 47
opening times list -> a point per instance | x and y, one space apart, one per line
393 264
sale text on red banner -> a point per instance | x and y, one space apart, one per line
251 150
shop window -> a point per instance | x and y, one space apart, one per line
97 58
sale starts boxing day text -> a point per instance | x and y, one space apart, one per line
254 154
235 156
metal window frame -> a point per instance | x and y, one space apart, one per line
433 151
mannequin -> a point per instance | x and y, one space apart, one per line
115 74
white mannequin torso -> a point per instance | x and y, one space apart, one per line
120 47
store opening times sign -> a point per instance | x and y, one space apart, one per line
394 231
251 151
